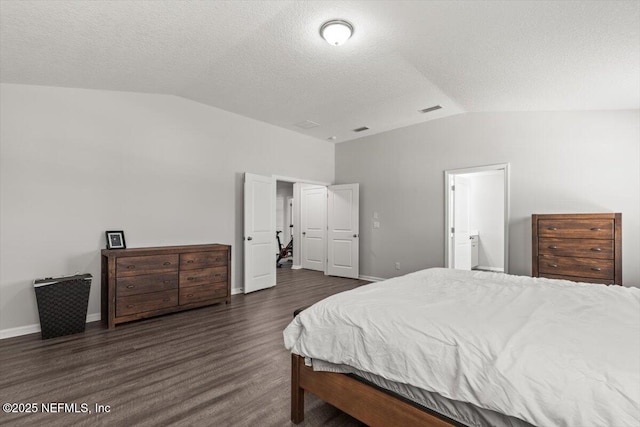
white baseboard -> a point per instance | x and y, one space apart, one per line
296 267
237 291
35 328
20 330
371 278
483 268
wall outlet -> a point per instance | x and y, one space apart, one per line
375 215
397 266
376 224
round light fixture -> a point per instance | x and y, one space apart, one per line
336 32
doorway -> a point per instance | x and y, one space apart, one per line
325 228
477 218
284 222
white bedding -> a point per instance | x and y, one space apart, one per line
550 352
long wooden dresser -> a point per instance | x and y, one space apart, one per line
578 247
146 282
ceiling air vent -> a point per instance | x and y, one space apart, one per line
427 110
361 129
307 124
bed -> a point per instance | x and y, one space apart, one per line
525 351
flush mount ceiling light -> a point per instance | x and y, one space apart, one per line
336 32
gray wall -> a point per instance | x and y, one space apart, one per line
74 163
561 162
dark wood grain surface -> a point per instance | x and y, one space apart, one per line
221 365
578 247
134 280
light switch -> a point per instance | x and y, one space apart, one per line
375 215
376 224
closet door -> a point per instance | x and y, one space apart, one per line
313 226
343 230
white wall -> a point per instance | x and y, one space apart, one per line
561 162
166 170
486 193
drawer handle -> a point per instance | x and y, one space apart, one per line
217 260
189 295
596 268
130 306
216 275
166 282
596 249
130 286
553 247
551 228
166 263
190 261
553 265
596 229
166 299
191 278
131 266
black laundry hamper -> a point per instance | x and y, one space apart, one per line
62 304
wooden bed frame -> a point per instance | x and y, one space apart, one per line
365 402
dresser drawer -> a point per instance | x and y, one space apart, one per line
576 228
203 292
134 266
204 275
145 284
146 302
584 248
579 279
195 260
577 267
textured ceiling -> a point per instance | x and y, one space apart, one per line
266 60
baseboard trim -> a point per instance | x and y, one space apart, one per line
237 291
35 328
371 278
494 269
296 267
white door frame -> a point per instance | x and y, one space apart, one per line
448 211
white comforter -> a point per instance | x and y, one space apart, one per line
553 353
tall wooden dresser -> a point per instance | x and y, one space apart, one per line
578 247
146 282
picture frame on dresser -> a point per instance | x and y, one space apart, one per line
115 239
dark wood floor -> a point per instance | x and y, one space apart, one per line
215 366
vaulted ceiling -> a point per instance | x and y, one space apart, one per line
266 59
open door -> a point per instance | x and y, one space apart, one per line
477 218
313 226
343 230
461 241
259 232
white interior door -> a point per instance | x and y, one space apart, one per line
461 241
343 234
313 224
259 232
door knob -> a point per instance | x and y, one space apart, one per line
249 238
355 235
304 233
